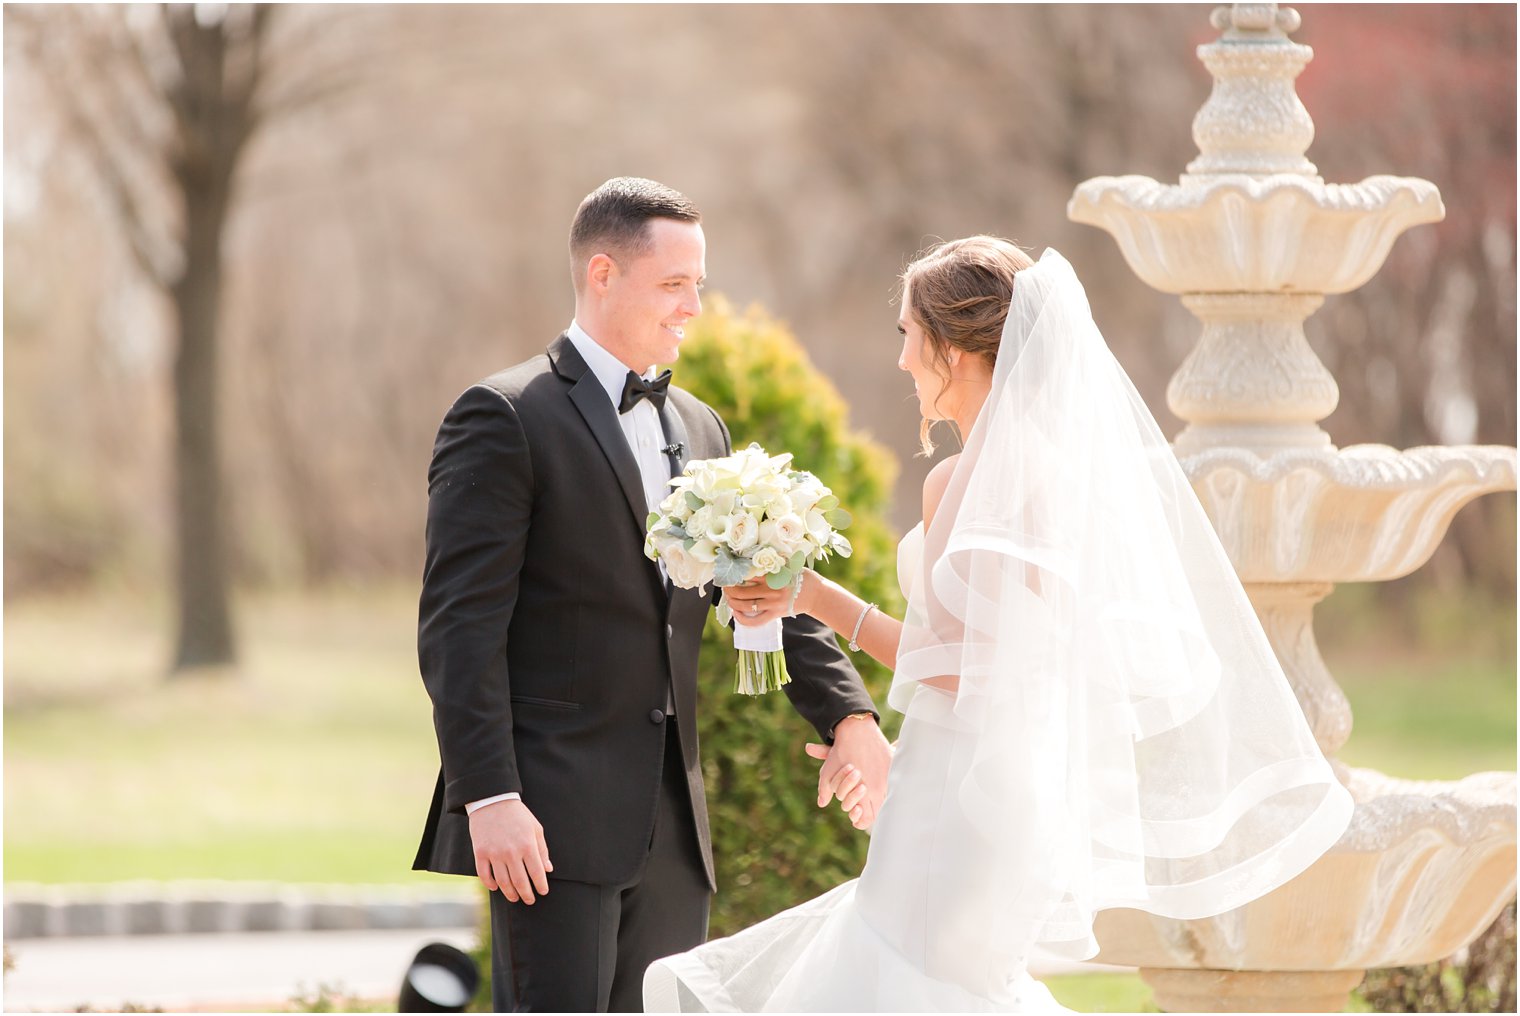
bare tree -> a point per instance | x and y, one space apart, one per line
162 100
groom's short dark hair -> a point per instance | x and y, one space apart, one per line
614 219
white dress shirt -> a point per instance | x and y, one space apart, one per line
641 424
646 439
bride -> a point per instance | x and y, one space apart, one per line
1094 717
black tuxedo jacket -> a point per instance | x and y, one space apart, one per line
549 643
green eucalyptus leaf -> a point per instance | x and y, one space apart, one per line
729 570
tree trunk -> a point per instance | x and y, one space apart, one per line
213 120
205 623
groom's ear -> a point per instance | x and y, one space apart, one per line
599 271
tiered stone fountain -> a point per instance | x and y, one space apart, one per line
1253 240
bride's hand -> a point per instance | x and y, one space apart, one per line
755 603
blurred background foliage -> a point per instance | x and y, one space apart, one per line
395 229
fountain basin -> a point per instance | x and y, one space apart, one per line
1283 233
1367 513
1422 870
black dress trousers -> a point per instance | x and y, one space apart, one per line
583 947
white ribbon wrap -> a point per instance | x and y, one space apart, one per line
765 638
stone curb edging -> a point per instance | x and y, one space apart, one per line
180 908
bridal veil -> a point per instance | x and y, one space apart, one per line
1126 737
1121 734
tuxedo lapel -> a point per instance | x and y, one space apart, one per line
675 434
590 399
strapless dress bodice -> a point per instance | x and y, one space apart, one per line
910 559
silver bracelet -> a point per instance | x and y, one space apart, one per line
855 646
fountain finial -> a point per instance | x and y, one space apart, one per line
1253 122
1255 22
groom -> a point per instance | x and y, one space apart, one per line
561 663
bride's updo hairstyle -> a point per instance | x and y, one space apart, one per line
958 292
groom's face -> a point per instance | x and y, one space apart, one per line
649 298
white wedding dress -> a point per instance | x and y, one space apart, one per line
882 942
1122 734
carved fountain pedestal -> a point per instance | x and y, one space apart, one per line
1253 240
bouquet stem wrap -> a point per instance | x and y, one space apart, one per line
762 664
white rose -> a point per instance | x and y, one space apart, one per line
763 490
803 499
673 503
768 561
696 526
779 505
743 531
790 532
684 569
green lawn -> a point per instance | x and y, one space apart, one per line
315 761
1102 992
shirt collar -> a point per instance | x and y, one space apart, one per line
609 370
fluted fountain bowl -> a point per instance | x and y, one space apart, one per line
1284 233
1367 513
1422 870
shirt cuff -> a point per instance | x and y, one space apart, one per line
475 806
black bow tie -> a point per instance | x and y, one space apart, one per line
636 388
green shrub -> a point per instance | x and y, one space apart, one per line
772 845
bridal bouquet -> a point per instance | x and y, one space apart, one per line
747 516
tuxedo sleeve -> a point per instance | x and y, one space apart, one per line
825 687
480 498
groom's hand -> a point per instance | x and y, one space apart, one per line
854 769
510 852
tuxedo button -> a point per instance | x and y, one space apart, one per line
670 631
657 716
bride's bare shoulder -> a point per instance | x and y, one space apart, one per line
935 484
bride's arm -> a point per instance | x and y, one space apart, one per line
840 609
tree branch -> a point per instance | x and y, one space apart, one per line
158 259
